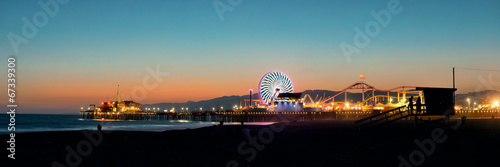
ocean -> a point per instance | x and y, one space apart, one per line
53 122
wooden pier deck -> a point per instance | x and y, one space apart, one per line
225 116
233 116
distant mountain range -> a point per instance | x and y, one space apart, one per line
227 102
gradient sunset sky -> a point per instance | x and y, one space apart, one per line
89 47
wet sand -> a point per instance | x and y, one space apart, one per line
313 143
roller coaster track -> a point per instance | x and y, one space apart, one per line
361 85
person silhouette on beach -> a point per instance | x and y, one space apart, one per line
410 105
99 127
246 131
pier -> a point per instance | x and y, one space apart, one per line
233 116
224 116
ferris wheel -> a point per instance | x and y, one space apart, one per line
273 83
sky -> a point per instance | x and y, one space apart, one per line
176 50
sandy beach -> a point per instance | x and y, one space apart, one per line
313 143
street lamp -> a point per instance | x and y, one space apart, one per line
468 100
474 105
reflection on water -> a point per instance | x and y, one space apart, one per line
44 122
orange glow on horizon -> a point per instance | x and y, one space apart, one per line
71 93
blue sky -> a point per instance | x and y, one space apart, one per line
113 41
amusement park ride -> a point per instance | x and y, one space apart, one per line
277 97
276 90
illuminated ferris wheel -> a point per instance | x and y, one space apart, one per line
273 83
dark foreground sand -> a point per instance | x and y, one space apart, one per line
318 143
